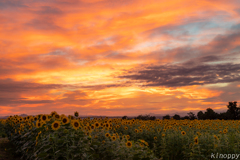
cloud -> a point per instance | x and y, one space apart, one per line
8 85
12 4
43 23
177 76
48 10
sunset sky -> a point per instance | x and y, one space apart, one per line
118 57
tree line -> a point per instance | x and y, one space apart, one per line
232 113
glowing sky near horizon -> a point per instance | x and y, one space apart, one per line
115 58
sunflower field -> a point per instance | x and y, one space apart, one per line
60 137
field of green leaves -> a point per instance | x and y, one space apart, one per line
60 137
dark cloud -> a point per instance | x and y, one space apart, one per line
12 4
179 75
236 26
45 23
49 11
12 101
8 85
101 87
210 58
5 101
115 55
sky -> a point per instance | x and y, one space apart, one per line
116 58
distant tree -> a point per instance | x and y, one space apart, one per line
146 117
152 118
191 116
210 114
234 110
200 115
124 117
177 117
166 117
185 117
224 116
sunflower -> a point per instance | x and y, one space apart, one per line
216 137
57 116
225 131
163 135
126 128
44 117
75 124
136 130
92 126
65 120
53 113
140 130
129 144
76 114
128 137
38 124
145 143
196 140
141 144
96 124
155 138
56 125
183 133
103 142
35 118
107 135
113 138
107 125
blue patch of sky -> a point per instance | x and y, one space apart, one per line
195 28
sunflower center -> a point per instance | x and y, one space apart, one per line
76 124
55 125
64 120
44 118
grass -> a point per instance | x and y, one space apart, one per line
7 150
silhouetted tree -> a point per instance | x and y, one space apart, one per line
185 117
200 115
124 117
152 118
210 114
176 116
166 117
191 116
224 116
233 110
146 117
